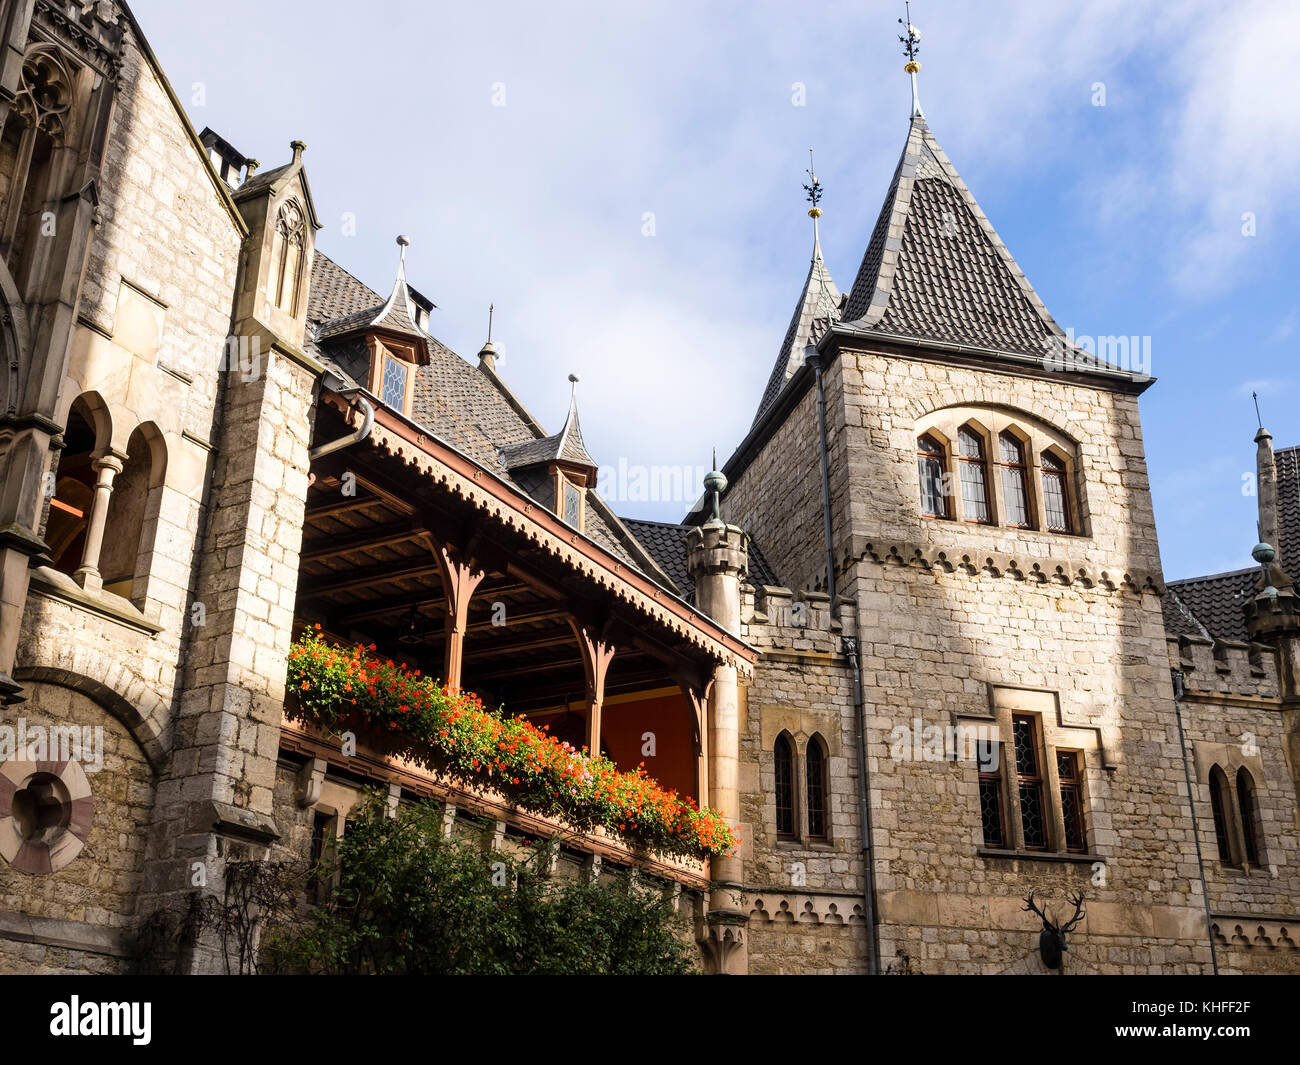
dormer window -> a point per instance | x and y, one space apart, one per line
392 383
570 502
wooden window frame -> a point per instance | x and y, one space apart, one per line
1036 780
1071 792
940 457
1063 473
964 461
381 349
1011 469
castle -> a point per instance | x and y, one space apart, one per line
913 641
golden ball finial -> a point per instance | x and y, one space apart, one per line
912 66
814 212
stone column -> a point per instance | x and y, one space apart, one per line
717 559
107 466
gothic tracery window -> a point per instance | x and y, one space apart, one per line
286 257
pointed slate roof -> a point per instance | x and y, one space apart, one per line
564 446
394 315
818 301
935 269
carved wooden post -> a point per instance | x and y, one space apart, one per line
460 577
597 653
697 699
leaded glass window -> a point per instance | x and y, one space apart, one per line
1015 493
1056 495
572 504
1249 814
392 388
974 476
1029 782
991 810
1067 772
1219 805
930 471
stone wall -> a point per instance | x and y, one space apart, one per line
79 917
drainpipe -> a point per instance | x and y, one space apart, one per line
849 645
1177 676
330 381
813 357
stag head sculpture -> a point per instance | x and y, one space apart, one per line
1051 941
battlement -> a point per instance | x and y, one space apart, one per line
1224 667
775 618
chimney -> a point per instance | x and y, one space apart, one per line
229 163
1266 486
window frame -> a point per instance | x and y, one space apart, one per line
1014 469
939 458
1061 472
785 743
818 790
981 462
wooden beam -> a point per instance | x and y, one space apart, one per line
534 667
383 536
424 601
385 574
341 506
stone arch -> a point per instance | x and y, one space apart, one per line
120 693
87 435
14 348
979 395
127 554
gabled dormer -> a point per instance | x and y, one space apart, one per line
557 469
395 337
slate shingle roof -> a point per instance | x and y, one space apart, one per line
818 300
1214 606
566 445
935 269
456 402
664 541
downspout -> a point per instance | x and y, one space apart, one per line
849 646
1177 676
329 381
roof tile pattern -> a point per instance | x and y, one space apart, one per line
935 269
1216 604
818 301
665 542
454 401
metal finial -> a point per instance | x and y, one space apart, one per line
814 190
573 384
911 41
403 242
491 308
1255 397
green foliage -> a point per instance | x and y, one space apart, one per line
408 900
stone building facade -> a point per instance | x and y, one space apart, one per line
933 558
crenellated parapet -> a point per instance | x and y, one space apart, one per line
1224 667
780 619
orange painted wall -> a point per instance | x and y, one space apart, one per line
669 718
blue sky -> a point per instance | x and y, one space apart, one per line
1127 218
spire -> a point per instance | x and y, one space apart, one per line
565 446
487 356
911 45
818 304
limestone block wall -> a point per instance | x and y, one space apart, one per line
79 918
803 896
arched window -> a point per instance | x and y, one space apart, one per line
1221 804
1250 832
286 258
126 556
930 466
974 476
817 789
1015 484
784 759
1056 494
74 490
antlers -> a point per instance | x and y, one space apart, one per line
1079 912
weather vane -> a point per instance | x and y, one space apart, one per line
911 41
814 190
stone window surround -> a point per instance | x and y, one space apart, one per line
1053 734
1230 758
803 840
1035 437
